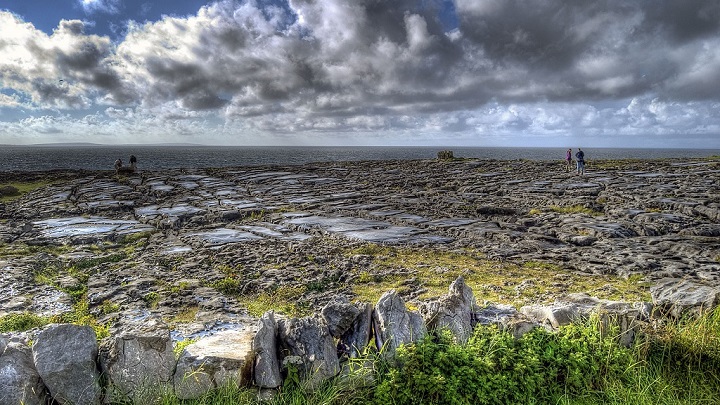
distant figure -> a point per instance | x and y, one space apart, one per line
580 157
119 168
568 160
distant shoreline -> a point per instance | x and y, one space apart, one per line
8 176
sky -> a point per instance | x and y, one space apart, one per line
519 73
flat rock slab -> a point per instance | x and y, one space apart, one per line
212 362
366 230
82 226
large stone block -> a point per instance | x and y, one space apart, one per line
506 318
675 297
65 356
309 343
138 359
395 325
267 364
453 311
20 382
212 362
578 307
339 315
354 342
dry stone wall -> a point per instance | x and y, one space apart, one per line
67 364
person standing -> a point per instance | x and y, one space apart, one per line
568 160
580 158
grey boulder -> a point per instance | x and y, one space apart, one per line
20 381
65 357
309 343
394 325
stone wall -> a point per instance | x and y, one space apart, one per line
67 363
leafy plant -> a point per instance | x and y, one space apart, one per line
495 368
181 345
152 298
228 285
21 322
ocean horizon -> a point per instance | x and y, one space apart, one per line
156 157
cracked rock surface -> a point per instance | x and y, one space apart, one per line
213 236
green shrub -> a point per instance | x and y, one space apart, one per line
21 322
228 286
495 368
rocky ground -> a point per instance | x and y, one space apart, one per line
207 248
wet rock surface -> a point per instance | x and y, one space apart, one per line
198 246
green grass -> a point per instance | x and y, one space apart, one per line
283 299
504 282
22 322
23 188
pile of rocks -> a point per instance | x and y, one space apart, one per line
66 362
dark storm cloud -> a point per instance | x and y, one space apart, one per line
593 49
683 20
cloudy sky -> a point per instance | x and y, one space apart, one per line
592 73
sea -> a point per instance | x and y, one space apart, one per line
102 157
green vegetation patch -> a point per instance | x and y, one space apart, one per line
491 280
80 315
21 249
575 209
496 368
284 300
184 315
181 345
13 191
22 322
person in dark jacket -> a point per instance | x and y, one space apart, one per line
580 158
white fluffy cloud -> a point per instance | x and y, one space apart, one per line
331 66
